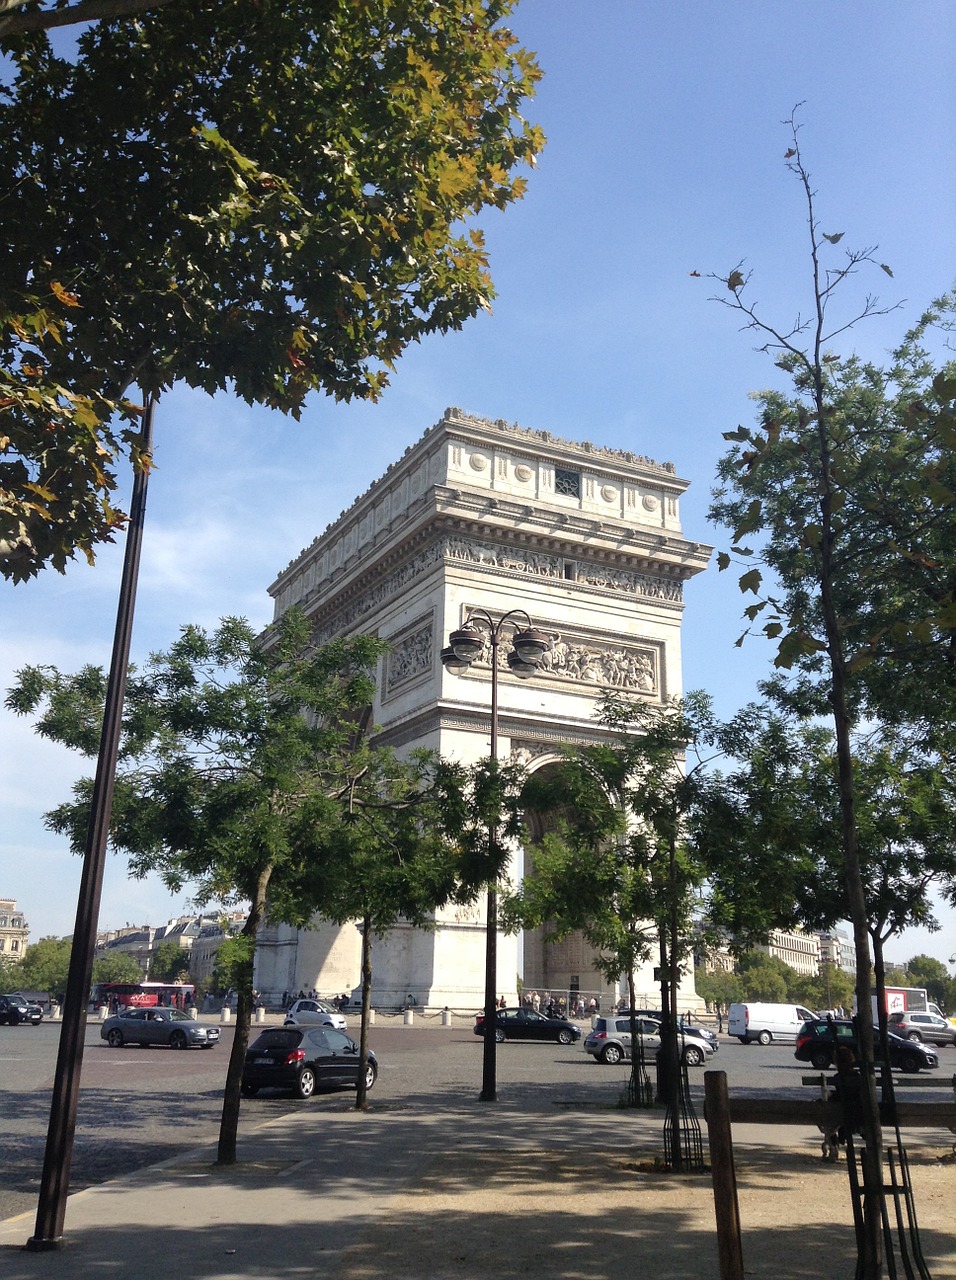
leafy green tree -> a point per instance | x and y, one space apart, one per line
243 766
233 965
169 963
46 964
416 839
849 483
720 989
116 966
926 971
622 866
269 197
765 977
10 974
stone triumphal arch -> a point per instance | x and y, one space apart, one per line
490 515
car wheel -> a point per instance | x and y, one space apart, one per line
115 1039
764 1038
500 1035
305 1085
249 1090
910 1063
612 1054
693 1056
14 1019
820 1059
564 1036
178 1040
371 1074
914 1035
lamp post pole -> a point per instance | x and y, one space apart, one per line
465 645
58 1154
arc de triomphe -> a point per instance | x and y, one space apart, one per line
490 515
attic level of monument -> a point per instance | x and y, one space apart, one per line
520 501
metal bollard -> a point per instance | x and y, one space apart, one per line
446 1016
409 1017
260 1014
226 1014
371 1017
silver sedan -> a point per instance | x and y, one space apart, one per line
158 1026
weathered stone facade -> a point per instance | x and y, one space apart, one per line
489 515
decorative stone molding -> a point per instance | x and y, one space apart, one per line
475 551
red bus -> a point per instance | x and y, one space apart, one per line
173 995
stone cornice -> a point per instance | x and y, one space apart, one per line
349 601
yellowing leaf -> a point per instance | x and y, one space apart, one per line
735 281
68 299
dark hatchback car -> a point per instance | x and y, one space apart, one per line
525 1024
15 1009
304 1059
818 1041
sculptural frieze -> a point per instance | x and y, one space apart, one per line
411 656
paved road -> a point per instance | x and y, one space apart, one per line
138 1106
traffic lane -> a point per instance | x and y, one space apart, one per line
135 1107
138 1106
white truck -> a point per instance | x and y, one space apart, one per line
906 1000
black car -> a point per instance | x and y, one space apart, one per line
818 1041
304 1059
15 1008
525 1024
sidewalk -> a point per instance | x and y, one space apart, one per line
472 1191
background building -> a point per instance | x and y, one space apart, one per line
14 930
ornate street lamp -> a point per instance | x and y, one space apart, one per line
528 646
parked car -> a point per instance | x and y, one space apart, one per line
15 1009
525 1024
922 1026
304 1059
314 1013
610 1040
820 1038
158 1025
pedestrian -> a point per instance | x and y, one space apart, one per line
720 1019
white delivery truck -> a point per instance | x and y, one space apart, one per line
766 1023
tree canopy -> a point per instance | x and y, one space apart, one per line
247 772
260 196
846 491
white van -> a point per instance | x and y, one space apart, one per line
767 1022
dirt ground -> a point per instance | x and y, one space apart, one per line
560 1215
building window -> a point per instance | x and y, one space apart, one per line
3 922
14 945
3 944
567 482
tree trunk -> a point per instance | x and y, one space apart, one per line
361 1093
872 1157
229 1123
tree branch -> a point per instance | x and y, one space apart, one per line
12 23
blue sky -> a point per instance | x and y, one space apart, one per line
665 156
